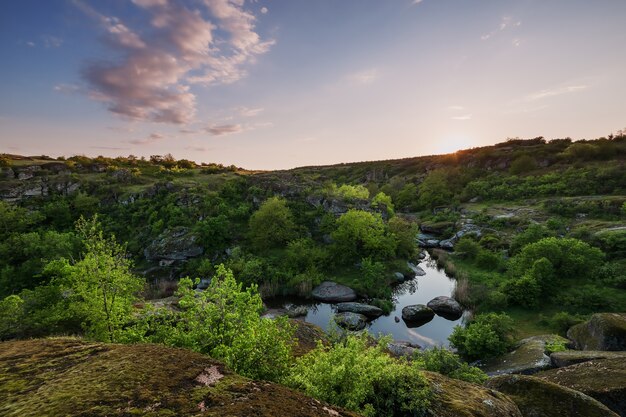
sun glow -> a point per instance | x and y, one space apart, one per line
453 143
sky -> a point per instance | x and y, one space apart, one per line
275 84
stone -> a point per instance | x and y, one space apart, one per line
360 308
417 315
417 270
297 311
400 349
446 307
174 244
351 321
602 379
399 276
455 398
541 398
572 357
331 292
527 358
604 331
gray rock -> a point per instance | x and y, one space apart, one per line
351 321
360 308
604 331
402 349
417 270
297 311
399 276
331 292
446 307
417 314
528 357
572 357
174 244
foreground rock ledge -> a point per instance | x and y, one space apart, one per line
69 377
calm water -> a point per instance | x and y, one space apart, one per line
419 290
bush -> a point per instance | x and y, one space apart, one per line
362 377
488 335
272 224
449 364
360 233
467 248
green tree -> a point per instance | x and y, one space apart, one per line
362 234
405 232
522 164
434 190
383 201
100 285
222 321
272 224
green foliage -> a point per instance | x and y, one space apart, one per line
272 224
467 247
555 346
562 321
533 233
383 201
486 336
361 377
223 321
522 165
304 254
404 232
362 234
352 192
11 309
373 273
434 190
446 362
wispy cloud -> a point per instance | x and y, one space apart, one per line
67 88
505 23
264 10
364 77
221 130
456 107
152 82
463 117
555 92
250 112
152 138
198 148
416 1
50 41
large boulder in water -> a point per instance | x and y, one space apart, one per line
527 358
417 314
446 307
604 380
605 331
177 244
351 321
360 308
331 292
539 398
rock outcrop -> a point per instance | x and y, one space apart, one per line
417 315
604 331
572 357
175 244
331 292
527 358
351 321
604 380
540 398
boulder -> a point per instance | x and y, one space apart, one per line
359 308
351 321
297 311
417 315
331 292
399 277
528 357
572 357
537 397
417 270
174 244
455 398
603 379
402 349
446 307
604 331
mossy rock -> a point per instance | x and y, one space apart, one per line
307 335
537 397
70 377
604 380
572 357
455 398
604 331
527 358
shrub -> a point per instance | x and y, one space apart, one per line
362 377
272 224
467 247
449 364
360 233
488 335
